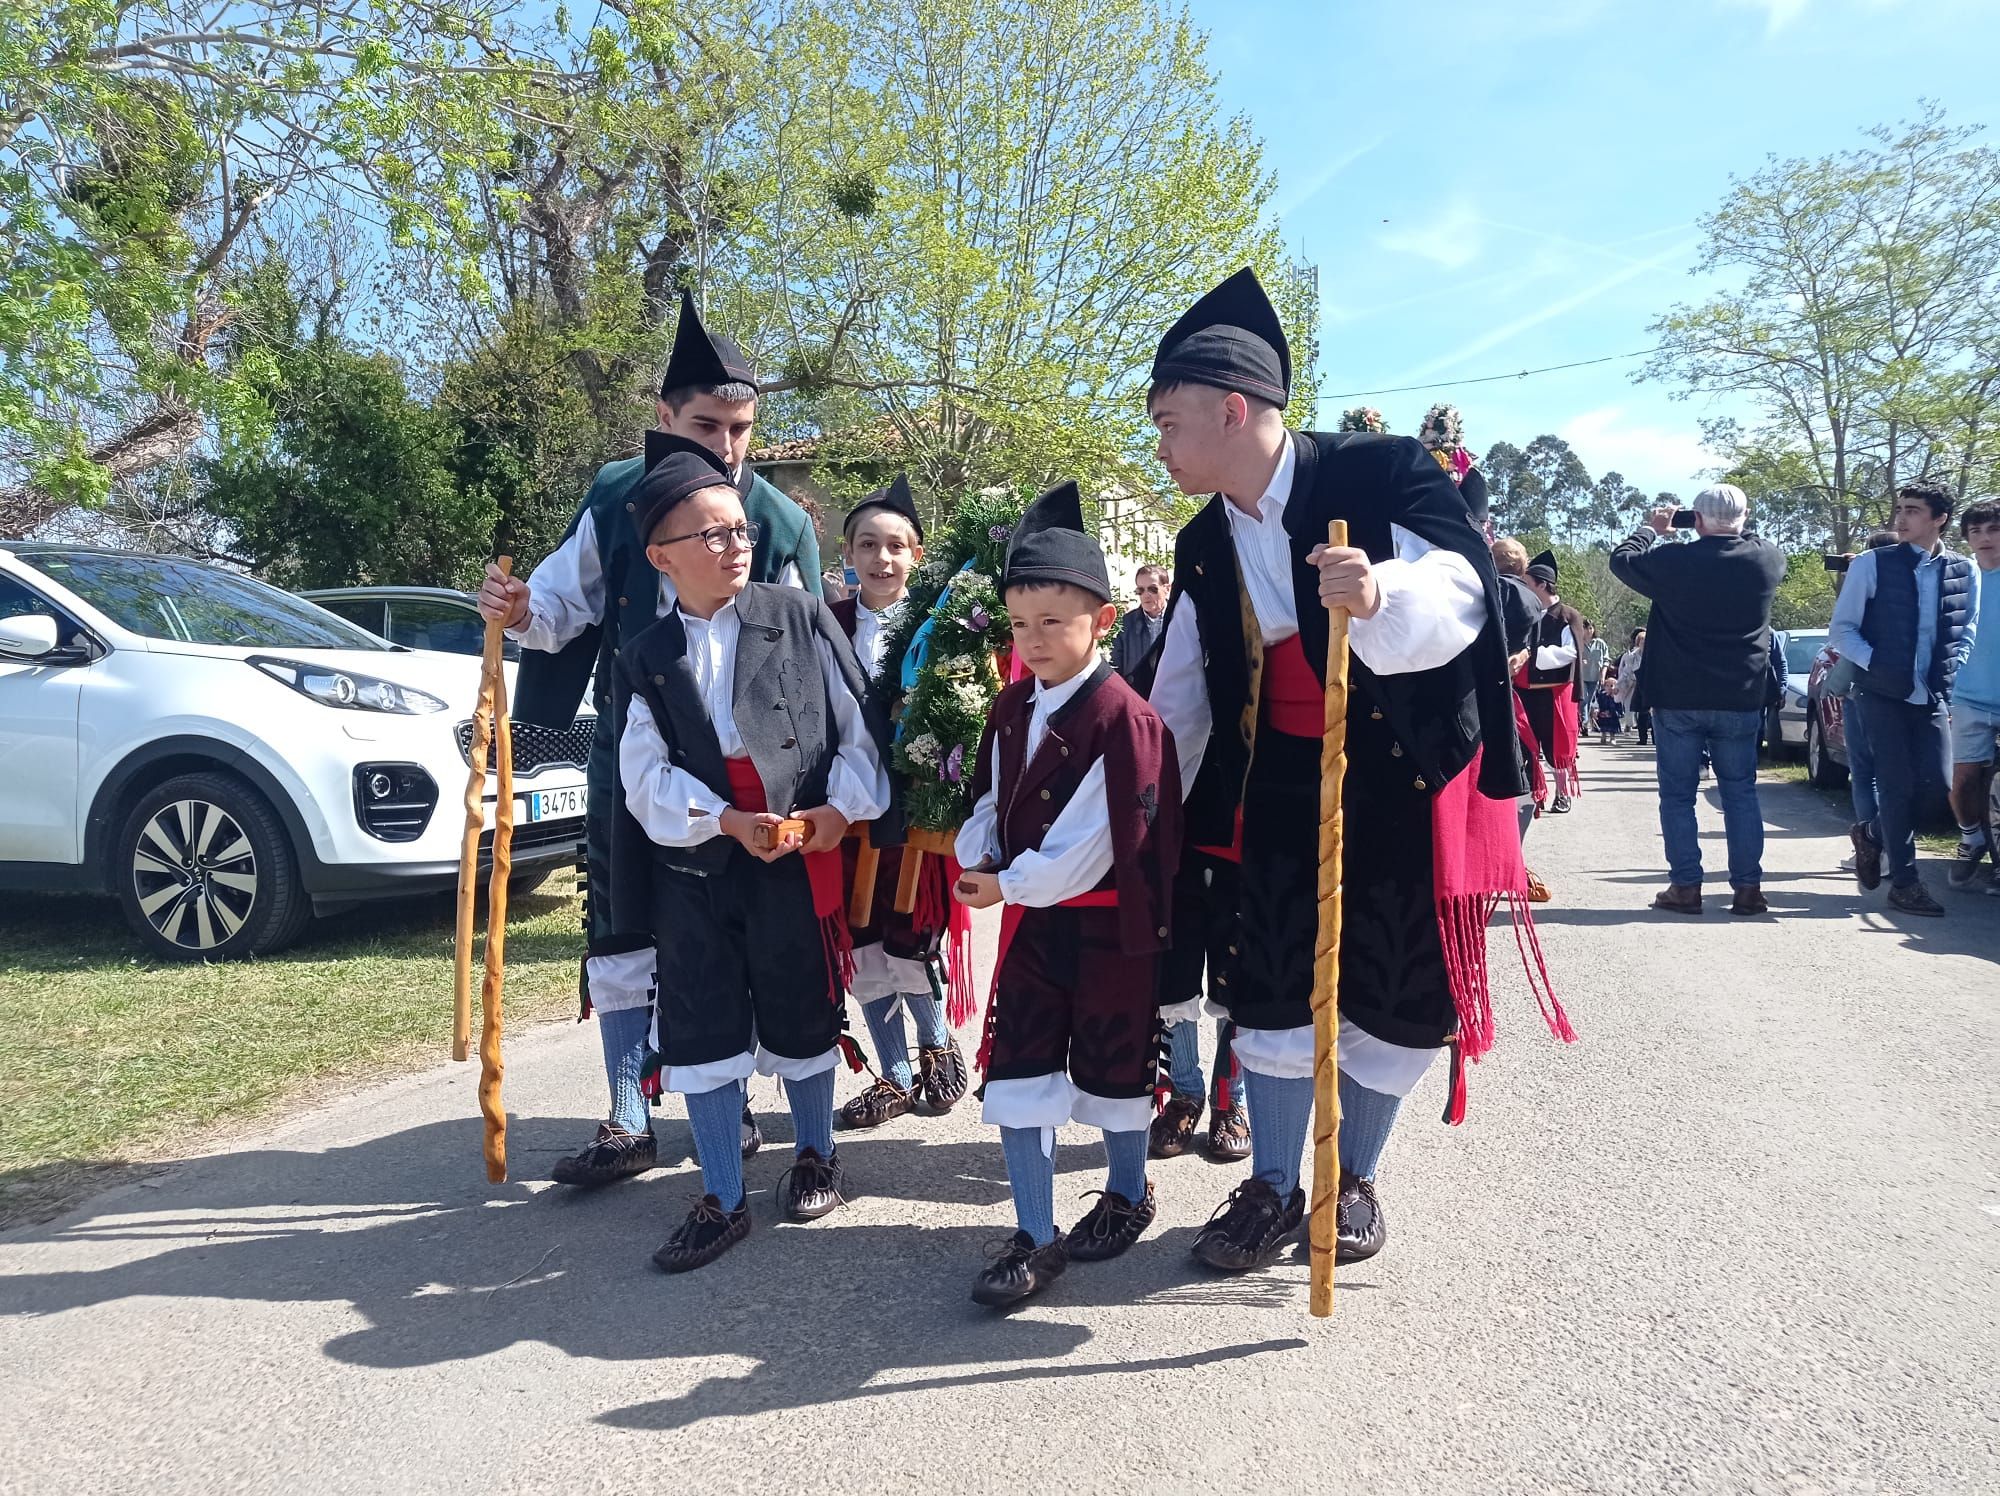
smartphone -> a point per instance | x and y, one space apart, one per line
853 578
1836 563
1683 519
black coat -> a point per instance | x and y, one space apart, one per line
1708 637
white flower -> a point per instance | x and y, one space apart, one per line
971 697
923 750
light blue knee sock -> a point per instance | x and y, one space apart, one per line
892 1048
1032 1176
716 1118
812 1112
1184 1056
623 1034
927 1013
1127 1152
1365 1119
1280 1114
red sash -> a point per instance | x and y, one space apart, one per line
823 875
1010 923
1294 698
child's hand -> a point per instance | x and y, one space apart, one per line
828 827
977 890
742 826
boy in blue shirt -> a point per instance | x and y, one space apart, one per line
1975 703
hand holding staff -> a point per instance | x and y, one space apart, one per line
490 729
1324 1227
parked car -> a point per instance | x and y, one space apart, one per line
1785 725
437 618
229 760
1826 724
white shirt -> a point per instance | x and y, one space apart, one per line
1076 849
566 592
871 634
675 807
1561 653
1433 607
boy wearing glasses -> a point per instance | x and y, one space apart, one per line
592 594
883 540
748 747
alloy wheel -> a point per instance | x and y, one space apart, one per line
195 874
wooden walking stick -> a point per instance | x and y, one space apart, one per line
490 730
1326 961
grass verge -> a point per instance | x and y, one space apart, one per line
110 1060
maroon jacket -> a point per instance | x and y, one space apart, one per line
1106 719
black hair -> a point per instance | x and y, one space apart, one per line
735 392
1985 512
1940 499
1168 386
1881 540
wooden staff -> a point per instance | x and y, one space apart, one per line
1324 1227
490 729
867 866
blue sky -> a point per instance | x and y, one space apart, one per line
1489 187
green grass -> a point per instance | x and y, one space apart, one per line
109 1059
1793 771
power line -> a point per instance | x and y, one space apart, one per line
1445 384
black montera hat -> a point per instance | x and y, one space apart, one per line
896 499
702 357
1543 568
1230 339
676 470
1050 544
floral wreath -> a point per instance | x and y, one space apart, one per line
1364 418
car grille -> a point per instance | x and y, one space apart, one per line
538 748
534 837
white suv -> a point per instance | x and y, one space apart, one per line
230 760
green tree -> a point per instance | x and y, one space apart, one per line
139 145
1805 596
356 482
1864 333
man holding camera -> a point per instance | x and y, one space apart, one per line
1708 661
1903 624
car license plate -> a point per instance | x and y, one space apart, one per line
555 805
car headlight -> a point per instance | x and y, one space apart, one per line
348 688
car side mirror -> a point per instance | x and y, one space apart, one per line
28 636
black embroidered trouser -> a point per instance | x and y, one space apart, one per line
1393 982
1070 999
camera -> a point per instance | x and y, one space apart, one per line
1836 564
1683 519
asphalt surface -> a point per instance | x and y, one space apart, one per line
1742 1237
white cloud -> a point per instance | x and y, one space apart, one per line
1453 239
1292 199
1651 457
1778 14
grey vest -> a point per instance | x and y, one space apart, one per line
780 704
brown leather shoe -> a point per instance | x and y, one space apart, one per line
705 1235
1019 1270
1249 1227
1679 898
811 1186
882 1102
1749 900
1111 1226
613 1154
1916 899
1229 1135
941 1076
1173 1130
1361 1230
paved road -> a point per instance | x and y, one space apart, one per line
1743 1237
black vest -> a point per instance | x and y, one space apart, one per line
779 702
1440 717
1889 623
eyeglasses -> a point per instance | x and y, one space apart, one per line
1152 590
718 537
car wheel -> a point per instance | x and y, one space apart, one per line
1821 770
524 881
205 871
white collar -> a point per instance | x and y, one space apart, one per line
687 618
877 613
1276 493
1049 699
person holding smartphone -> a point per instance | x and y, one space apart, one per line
1707 663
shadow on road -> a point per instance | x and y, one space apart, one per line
454 1273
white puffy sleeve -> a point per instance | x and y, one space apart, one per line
1180 691
858 784
675 808
565 593
1075 853
1433 607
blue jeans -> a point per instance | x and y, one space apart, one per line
1912 747
1860 762
1730 741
